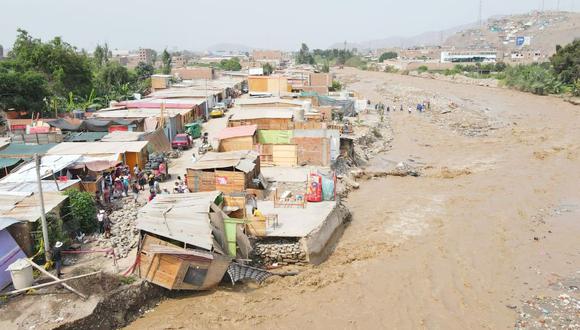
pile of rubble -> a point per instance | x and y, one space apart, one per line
279 251
458 78
124 235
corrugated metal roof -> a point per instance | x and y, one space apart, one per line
96 148
85 136
27 208
262 113
7 162
182 217
140 113
239 131
316 133
122 136
17 149
268 100
47 186
241 160
48 165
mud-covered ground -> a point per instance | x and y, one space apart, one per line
486 237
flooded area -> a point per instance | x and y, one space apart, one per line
489 227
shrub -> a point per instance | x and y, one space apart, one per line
422 68
81 210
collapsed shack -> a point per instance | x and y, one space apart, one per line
183 239
228 172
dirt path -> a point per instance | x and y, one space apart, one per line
491 223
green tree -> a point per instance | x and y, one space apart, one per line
144 70
535 78
325 67
566 62
268 69
22 90
422 68
111 77
65 69
166 60
81 210
101 55
336 86
304 56
232 64
388 56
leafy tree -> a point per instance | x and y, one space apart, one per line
422 68
22 90
101 55
65 69
566 62
232 64
81 210
535 78
336 86
111 77
268 69
388 56
144 70
166 60
304 56
325 67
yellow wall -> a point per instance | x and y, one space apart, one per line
273 85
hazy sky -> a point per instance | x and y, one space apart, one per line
198 24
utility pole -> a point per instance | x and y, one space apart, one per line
42 212
480 19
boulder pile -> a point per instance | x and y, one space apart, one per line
279 251
124 235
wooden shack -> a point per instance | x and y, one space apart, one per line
182 241
237 138
227 172
278 119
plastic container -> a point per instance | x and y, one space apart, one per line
21 273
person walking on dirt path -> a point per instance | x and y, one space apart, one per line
156 186
401 107
410 110
142 180
57 258
100 220
135 190
136 170
107 226
125 181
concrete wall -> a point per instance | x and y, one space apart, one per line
320 242
194 73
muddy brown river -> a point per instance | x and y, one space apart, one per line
493 221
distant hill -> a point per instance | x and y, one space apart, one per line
230 48
424 39
544 29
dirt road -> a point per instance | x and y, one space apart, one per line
492 222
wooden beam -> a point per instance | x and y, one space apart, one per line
49 283
42 270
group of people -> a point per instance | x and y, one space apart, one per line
115 183
421 107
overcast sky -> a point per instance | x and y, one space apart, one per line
198 24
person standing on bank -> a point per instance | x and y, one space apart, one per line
57 258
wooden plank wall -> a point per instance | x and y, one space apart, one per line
160 269
229 182
284 155
236 201
200 181
235 144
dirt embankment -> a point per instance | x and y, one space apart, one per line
485 237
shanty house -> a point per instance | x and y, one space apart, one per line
131 153
265 119
9 251
182 241
228 172
237 138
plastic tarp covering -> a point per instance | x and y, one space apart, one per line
327 189
65 125
346 106
9 253
275 136
150 124
98 163
7 162
158 141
